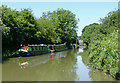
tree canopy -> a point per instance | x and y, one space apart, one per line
65 23
21 27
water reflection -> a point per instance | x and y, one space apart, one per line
99 76
56 66
60 66
37 60
95 75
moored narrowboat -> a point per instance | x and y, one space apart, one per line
35 50
32 50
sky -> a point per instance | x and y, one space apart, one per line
87 12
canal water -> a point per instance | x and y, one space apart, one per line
67 65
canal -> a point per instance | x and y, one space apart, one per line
67 65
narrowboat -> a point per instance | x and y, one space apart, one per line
31 50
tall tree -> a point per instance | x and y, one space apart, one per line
66 22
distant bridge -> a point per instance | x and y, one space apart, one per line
81 42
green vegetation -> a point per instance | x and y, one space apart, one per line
58 27
60 47
102 42
21 27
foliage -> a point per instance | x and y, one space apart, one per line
66 24
102 42
87 32
47 32
60 47
21 27
104 54
18 27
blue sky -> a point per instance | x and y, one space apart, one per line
87 12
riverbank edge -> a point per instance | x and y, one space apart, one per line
90 65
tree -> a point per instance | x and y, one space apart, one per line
47 32
18 28
88 31
65 21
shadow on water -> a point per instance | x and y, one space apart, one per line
4 59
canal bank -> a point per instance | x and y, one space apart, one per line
66 65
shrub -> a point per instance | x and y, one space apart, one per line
104 54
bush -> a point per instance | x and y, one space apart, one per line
104 54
